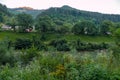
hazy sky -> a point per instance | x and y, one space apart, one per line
104 6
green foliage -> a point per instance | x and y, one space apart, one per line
71 15
84 27
117 36
32 60
116 53
3 10
44 24
60 45
43 37
105 27
1 18
25 21
80 46
78 29
12 22
3 13
63 29
28 55
7 55
90 28
21 43
37 43
94 73
116 48
58 66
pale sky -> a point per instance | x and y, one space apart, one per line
104 6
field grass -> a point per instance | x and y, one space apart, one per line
14 35
32 64
84 38
64 66
69 37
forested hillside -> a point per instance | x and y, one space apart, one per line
69 14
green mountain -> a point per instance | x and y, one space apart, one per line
72 15
67 14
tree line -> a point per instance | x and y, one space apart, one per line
45 24
62 20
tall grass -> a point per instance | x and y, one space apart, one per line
64 66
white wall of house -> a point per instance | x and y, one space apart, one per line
6 27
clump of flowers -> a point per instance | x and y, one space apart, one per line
60 71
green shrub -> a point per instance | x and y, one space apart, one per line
28 55
57 41
60 45
22 43
37 43
80 46
94 72
6 55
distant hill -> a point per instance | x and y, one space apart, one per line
28 10
71 15
67 14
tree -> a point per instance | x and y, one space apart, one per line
12 22
25 21
84 27
90 28
63 29
105 27
44 24
78 28
115 27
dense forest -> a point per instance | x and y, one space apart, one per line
74 15
59 43
68 13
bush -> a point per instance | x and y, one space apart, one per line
94 73
6 56
80 46
60 45
39 44
28 55
22 43
56 42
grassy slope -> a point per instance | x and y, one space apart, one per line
13 36
69 37
84 38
